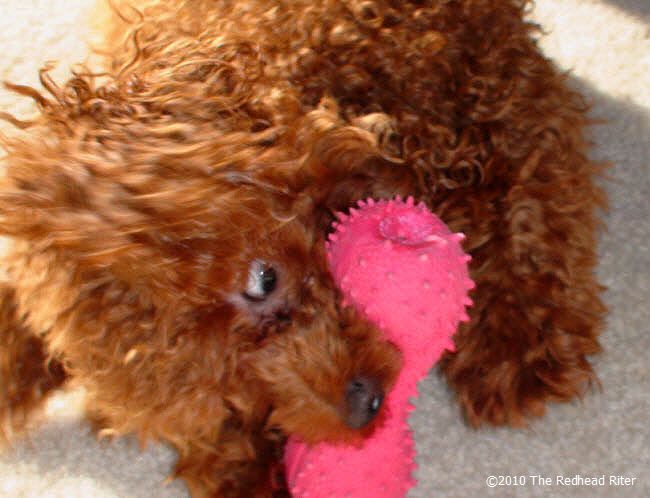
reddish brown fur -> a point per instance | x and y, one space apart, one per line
224 132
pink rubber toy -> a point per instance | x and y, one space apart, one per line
402 266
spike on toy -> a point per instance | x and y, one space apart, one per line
418 309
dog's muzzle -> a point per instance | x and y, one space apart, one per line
363 399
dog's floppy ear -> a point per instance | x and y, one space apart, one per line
344 166
343 162
145 224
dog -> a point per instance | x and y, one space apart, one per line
168 217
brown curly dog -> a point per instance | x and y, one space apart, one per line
168 218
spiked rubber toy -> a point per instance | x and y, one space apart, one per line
406 271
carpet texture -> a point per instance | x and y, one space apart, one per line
606 46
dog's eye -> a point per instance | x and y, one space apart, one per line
262 280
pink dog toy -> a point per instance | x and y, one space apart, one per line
407 272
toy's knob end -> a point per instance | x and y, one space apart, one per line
409 228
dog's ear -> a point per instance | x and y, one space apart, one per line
344 165
345 162
149 226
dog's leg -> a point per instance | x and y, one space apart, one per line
239 466
531 228
27 376
537 310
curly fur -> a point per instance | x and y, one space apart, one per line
224 132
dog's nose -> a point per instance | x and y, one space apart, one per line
363 398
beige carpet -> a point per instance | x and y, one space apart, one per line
606 44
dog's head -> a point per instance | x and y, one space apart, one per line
196 293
